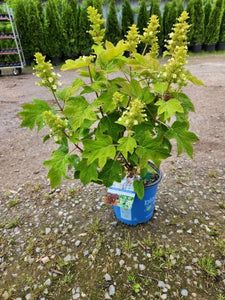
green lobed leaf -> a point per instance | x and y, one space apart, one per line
112 51
80 62
143 172
98 86
144 65
112 171
151 149
46 137
79 134
185 102
160 87
83 73
192 78
139 188
86 172
87 90
79 110
147 96
126 144
108 126
169 108
70 91
105 100
99 149
32 114
58 165
183 137
132 89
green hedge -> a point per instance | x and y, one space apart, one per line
58 28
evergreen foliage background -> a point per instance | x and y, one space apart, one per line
196 13
127 16
212 30
113 31
58 28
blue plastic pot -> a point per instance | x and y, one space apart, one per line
142 209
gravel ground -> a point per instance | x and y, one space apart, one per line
67 244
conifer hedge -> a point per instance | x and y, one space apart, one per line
58 28
113 31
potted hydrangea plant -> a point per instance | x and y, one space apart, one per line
137 106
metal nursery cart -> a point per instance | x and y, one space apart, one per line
11 52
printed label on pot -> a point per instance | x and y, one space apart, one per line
121 194
125 214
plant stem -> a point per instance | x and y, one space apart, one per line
77 147
156 120
143 52
56 100
100 108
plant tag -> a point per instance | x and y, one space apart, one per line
121 194
126 214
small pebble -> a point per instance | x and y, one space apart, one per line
67 258
108 277
112 290
218 263
47 282
142 267
184 292
118 252
77 243
161 284
47 230
121 262
107 296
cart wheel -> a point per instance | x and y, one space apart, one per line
17 71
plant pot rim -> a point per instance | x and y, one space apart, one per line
159 172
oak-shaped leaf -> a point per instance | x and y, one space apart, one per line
32 114
153 149
139 188
126 144
80 62
78 109
86 172
61 158
70 91
112 171
99 149
184 138
169 108
107 125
